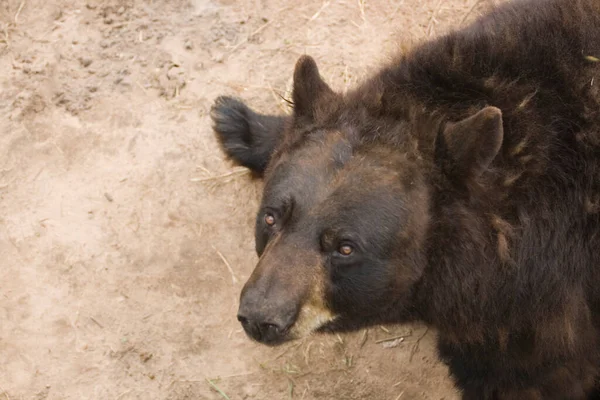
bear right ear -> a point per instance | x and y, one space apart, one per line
466 148
310 92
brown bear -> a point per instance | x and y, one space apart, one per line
458 186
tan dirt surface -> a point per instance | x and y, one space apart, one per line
125 237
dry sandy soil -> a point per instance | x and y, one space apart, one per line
125 237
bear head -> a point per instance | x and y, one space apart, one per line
342 230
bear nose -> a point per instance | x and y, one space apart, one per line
265 332
263 328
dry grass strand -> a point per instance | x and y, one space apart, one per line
234 279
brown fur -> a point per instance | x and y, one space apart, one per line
469 169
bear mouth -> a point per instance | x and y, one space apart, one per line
272 336
274 341
267 334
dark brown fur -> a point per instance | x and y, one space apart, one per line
503 259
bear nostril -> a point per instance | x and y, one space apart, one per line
269 328
261 329
243 320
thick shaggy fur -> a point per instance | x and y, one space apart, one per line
511 279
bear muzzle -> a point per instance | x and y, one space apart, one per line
283 298
265 320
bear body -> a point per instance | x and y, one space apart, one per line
459 186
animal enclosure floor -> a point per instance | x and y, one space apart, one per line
125 237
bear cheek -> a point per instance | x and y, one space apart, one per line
315 311
313 314
358 289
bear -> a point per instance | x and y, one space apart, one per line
458 185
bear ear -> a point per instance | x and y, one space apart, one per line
310 91
469 146
247 137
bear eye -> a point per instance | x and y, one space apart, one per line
346 249
269 219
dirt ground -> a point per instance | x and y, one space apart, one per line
125 237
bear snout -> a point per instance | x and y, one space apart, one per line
264 320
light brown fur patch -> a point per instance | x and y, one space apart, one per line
526 159
503 250
592 205
526 100
519 148
504 231
503 338
563 330
509 180
314 313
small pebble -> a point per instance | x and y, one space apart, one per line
85 62
175 73
218 57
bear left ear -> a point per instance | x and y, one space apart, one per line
471 145
310 92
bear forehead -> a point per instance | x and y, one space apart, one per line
330 169
333 152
